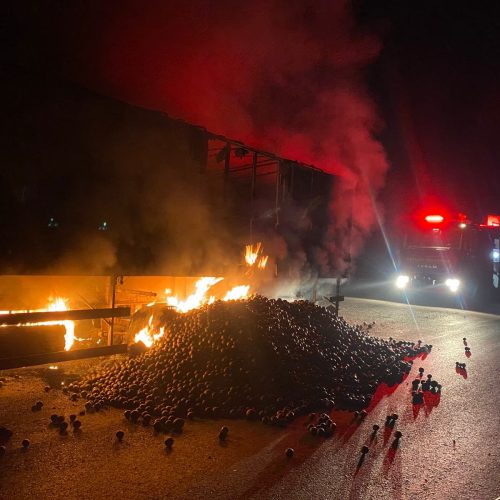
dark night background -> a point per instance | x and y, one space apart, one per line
437 82
430 69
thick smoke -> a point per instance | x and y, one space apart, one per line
285 76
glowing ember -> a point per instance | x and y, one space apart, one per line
237 293
147 335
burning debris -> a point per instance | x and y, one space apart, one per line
257 359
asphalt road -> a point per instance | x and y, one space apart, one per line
449 448
432 296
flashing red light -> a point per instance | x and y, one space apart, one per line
434 219
493 221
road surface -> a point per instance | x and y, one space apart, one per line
449 448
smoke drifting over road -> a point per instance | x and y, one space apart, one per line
286 76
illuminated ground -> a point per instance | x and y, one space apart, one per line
252 463
439 295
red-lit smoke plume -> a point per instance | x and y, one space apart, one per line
286 76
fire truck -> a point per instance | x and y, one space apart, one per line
451 253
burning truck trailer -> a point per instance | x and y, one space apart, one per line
276 196
63 331
210 198
218 352
226 351
285 208
190 201
207 351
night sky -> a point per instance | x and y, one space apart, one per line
321 82
437 84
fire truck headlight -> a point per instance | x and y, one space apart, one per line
495 255
453 284
402 281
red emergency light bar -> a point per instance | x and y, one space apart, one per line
434 219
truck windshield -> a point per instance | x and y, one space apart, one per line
434 238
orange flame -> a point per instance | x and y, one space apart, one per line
55 304
147 335
262 262
59 304
198 298
237 293
253 255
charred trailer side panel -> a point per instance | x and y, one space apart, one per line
285 204
124 190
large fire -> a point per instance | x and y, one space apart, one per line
254 259
149 334
55 304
